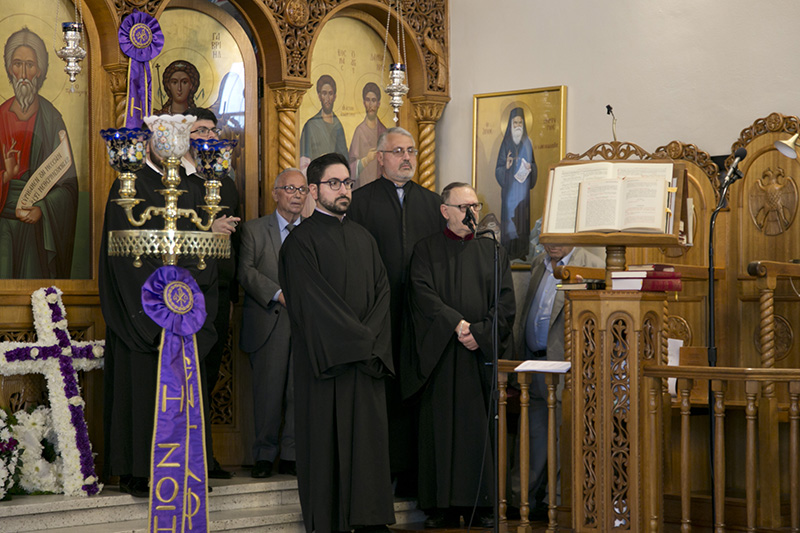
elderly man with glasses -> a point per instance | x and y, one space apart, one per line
337 295
265 326
452 307
398 213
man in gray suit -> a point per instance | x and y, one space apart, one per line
265 325
540 335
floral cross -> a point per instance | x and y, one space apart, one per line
59 359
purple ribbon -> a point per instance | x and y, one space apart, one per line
140 39
171 297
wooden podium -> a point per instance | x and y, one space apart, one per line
607 402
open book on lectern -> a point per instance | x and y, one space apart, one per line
604 197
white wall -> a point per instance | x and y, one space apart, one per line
695 71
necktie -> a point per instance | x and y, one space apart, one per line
289 227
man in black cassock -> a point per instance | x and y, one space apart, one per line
205 129
452 306
337 295
398 213
132 338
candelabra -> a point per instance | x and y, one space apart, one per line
126 149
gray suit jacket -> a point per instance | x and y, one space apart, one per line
555 332
258 275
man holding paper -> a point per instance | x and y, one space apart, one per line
540 336
515 172
38 180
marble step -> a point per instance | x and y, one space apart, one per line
240 504
281 519
51 511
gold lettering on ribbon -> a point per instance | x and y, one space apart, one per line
165 398
174 489
191 392
190 511
174 527
171 449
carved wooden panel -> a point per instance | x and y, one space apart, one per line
620 410
587 398
222 397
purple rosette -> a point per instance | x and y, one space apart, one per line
141 39
173 300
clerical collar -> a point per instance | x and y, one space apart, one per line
321 212
453 237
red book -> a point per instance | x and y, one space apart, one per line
646 284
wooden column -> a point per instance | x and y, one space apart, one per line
427 112
118 79
287 100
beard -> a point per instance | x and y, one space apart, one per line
516 134
338 206
25 91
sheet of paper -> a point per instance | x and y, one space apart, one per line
554 367
673 359
524 170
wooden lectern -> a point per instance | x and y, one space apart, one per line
607 402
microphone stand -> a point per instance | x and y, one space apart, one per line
470 221
712 346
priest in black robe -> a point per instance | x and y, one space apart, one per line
452 305
132 338
398 213
337 295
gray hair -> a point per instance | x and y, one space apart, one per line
279 178
453 186
396 130
26 37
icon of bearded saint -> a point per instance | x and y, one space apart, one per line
36 239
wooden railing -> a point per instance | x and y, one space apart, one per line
754 380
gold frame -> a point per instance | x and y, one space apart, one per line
545 118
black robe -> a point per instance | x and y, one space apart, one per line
450 280
132 338
337 296
397 229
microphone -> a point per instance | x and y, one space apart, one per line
733 172
469 220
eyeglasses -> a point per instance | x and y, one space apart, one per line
202 130
400 150
463 207
291 189
335 183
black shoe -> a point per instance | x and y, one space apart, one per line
484 519
135 486
261 469
287 467
218 473
442 518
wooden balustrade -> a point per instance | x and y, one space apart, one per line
721 379
755 380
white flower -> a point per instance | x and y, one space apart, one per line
97 350
52 298
67 351
34 353
77 401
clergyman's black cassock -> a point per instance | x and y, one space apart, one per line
397 228
132 338
337 295
451 279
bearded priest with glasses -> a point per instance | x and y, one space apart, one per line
337 296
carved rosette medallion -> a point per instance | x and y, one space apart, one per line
296 12
772 199
679 328
784 338
588 397
126 7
